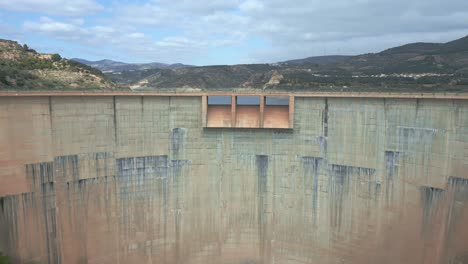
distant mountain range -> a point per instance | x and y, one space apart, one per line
446 58
421 67
320 60
416 66
117 66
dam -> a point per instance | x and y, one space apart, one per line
171 178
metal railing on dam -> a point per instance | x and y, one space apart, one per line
137 178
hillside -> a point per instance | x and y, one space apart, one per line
129 77
24 68
320 60
250 75
445 58
425 67
429 67
117 66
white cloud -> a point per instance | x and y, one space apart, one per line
184 31
136 35
137 45
147 14
348 46
53 7
47 25
223 18
200 7
251 6
103 30
180 44
70 31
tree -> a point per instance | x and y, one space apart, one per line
56 57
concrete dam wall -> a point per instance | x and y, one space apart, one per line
138 179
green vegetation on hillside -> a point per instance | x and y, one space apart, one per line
420 67
22 68
129 77
4 259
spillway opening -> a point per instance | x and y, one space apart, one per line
276 112
247 111
219 111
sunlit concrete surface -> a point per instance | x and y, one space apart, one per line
248 116
276 116
137 179
219 116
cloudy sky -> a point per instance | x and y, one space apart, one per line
205 32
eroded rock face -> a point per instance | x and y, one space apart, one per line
275 79
137 180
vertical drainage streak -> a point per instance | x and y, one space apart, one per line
262 177
430 200
176 173
392 161
42 174
142 107
458 198
325 119
311 165
115 120
163 171
322 142
50 114
177 141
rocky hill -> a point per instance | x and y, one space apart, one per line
117 66
22 68
321 60
439 58
413 67
421 67
247 76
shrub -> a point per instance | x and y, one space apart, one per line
56 57
4 259
28 49
3 78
